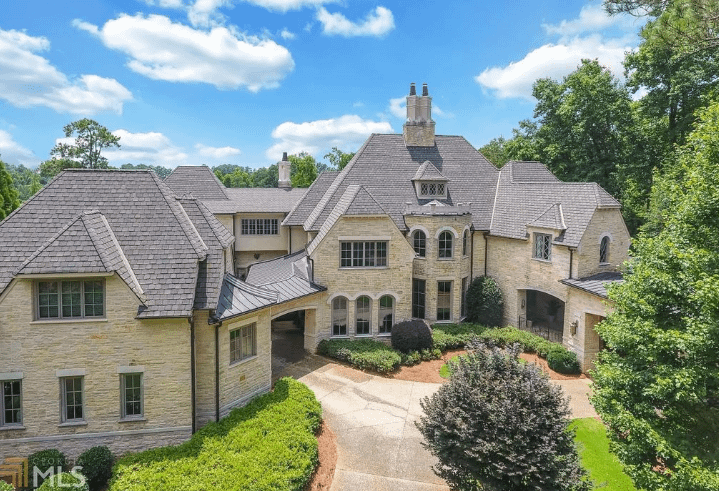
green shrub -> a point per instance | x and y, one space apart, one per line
501 425
563 361
485 304
365 354
46 459
96 464
452 336
64 482
267 445
6 487
411 335
412 358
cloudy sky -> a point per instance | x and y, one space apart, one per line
241 81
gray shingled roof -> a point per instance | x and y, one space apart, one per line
340 208
521 201
196 180
364 204
238 297
257 200
428 172
596 284
289 276
552 218
385 166
151 229
304 207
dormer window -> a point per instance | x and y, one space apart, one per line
431 189
429 182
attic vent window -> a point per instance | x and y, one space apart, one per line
432 189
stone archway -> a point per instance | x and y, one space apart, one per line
289 330
545 315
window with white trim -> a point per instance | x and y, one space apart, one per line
445 244
363 315
386 314
243 343
11 403
363 254
430 189
444 300
419 242
131 391
339 316
542 247
260 226
72 403
604 250
70 299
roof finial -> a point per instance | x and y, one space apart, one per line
412 90
425 91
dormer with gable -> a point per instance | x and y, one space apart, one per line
429 183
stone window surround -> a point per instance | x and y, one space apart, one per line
547 247
605 235
445 245
135 370
427 242
367 315
11 377
439 232
381 310
37 279
363 256
440 184
451 280
236 357
466 247
63 375
351 312
259 226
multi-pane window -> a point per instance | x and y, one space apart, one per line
243 343
72 399
418 298
386 314
362 316
259 226
432 189
542 247
419 242
444 300
363 254
445 244
70 299
131 391
604 250
339 316
11 403
465 243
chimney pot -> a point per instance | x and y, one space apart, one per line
412 90
425 91
284 156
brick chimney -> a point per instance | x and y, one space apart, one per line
419 128
283 169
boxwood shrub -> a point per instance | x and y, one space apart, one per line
267 445
96 463
453 336
64 482
46 459
412 335
365 354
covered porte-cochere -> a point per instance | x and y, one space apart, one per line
541 314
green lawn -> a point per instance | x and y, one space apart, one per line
604 468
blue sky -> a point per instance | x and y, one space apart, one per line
238 82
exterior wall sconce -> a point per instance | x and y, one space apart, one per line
573 327
522 303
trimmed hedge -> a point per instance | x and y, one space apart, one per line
96 463
64 482
269 444
412 335
453 336
46 459
365 354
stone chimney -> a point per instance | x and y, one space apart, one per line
419 128
283 169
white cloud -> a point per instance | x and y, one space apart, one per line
554 61
592 18
168 4
216 152
29 80
163 50
285 34
12 152
144 148
285 5
346 132
204 12
378 22
398 108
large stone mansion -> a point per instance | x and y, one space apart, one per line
135 310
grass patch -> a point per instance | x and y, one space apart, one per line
604 468
267 445
446 370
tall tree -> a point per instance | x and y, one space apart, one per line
657 386
8 194
303 170
338 159
496 151
161 171
27 182
91 139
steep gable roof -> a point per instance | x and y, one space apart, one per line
552 218
307 203
288 275
428 172
196 180
151 229
528 171
364 204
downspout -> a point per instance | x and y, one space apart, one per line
193 374
217 323
289 229
486 247
471 259
312 269
571 261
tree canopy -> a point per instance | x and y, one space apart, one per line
338 159
8 195
657 386
303 170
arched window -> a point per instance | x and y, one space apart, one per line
465 243
362 316
445 244
386 314
339 316
604 250
419 242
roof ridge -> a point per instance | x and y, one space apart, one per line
344 202
308 190
212 222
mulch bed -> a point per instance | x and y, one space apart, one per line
327 447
